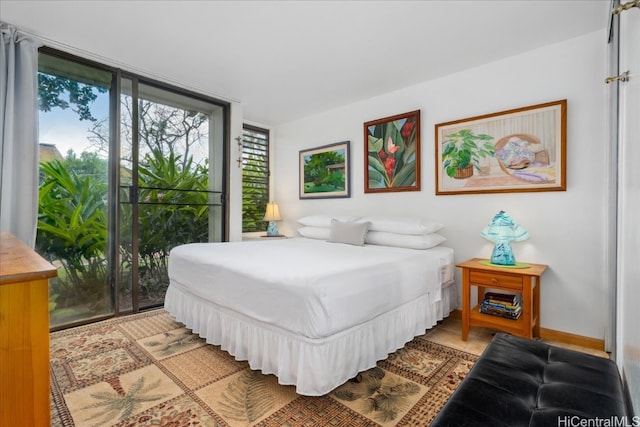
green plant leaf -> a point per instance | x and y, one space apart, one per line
449 147
375 144
451 170
461 149
376 179
409 153
376 164
405 177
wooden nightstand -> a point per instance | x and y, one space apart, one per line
263 237
526 281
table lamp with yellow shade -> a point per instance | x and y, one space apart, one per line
272 214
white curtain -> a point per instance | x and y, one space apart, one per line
19 127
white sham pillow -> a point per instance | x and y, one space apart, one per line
351 233
322 220
416 241
319 233
402 224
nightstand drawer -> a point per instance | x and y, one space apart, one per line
489 278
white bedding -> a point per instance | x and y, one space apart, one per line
312 312
313 288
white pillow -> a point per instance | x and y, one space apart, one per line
402 225
320 233
325 220
415 241
351 233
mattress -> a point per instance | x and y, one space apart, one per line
309 287
312 313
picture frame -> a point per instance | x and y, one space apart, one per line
392 153
325 171
518 150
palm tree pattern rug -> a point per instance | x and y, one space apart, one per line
149 370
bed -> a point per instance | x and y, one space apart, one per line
310 311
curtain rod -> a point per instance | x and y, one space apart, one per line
625 6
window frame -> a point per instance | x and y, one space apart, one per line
256 141
114 146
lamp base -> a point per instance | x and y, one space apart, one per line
272 229
503 254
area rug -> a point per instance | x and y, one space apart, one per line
148 370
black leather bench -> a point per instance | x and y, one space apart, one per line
519 382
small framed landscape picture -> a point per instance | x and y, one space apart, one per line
392 153
324 172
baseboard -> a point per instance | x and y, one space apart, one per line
553 335
567 338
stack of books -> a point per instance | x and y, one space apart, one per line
503 305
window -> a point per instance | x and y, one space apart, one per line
255 177
129 168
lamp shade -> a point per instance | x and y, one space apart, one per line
502 231
503 228
272 213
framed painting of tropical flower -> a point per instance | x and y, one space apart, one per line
392 155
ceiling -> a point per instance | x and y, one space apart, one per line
284 60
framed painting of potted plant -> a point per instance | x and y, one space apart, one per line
392 155
324 172
517 150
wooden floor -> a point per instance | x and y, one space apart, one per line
449 333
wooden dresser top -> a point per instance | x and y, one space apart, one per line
19 263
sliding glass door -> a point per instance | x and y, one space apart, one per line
129 168
73 227
171 184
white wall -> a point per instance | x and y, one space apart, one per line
566 228
235 175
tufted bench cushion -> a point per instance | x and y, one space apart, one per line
519 382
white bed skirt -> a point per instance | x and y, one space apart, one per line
314 366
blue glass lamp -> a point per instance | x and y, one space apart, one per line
502 231
272 215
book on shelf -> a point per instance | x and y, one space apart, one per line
502 305
512 299
500 313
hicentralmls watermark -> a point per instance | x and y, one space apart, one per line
576 421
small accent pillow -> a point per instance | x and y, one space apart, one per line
416 241
324 220
402 225
351 233
320 233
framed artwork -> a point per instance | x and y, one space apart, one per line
511 151
392 155
324 172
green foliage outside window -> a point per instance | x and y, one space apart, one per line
255 178
173 210
174 201
72 224
72 234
